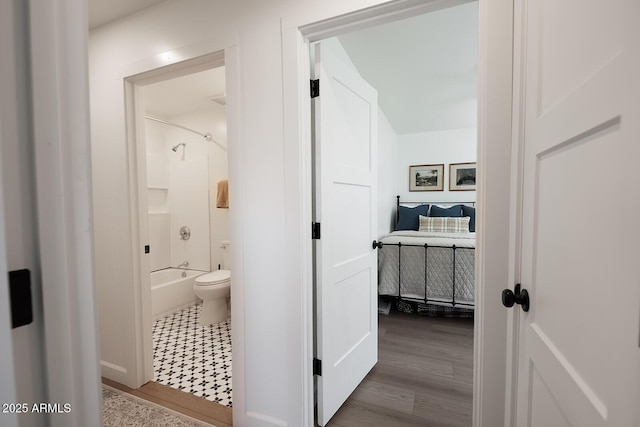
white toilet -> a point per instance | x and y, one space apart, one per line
214 290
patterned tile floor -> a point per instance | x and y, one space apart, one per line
193 358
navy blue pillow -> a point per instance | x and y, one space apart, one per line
408 219
471 213
453 211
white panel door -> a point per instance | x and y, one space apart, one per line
579 361
346 263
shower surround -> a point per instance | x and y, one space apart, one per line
182 190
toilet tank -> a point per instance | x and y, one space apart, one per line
226 256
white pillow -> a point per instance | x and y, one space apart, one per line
444 224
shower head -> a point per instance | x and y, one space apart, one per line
175 147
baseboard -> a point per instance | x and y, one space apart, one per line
115 373
262 420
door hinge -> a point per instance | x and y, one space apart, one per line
315 88
317 367
315 230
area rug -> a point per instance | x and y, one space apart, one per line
122 409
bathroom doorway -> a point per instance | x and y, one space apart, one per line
180 153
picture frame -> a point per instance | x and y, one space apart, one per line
426 177
462 177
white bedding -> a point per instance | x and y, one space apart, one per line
463 240
444 277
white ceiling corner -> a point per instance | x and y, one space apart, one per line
193 92
102 12
424 68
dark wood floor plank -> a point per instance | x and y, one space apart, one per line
426 360
419 364
437 348
423 383
359 414
464 372
455 326
385 396
445 409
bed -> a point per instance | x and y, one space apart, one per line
430 256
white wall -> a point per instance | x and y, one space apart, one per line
136 45
213 121
178 195
272 323
188 200
446 147
387 174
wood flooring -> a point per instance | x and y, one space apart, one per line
424 375
184 403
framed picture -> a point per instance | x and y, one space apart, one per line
426 178
462 177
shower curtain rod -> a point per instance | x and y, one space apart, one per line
206 136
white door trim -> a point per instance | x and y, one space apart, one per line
137 158
204 54
515 226
236 185
494 137
297 160
494 217
136 148
60 103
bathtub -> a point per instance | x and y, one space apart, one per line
171 292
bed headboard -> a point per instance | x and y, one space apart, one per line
411 204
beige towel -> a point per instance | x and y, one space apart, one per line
222 201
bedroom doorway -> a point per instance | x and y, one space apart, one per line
456 333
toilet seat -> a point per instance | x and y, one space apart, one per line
217 277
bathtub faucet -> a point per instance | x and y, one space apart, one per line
184 264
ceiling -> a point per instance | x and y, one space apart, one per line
424 68
102 12
193 92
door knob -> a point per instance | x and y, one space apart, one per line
517 296
376 244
